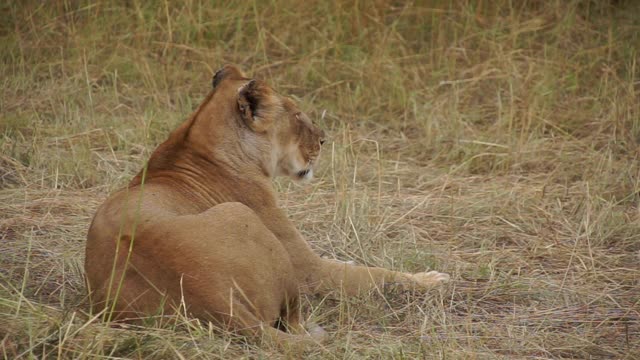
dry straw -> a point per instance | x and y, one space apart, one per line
497 141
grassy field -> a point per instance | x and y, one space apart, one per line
498 141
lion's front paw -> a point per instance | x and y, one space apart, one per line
430 279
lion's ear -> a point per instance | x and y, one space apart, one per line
252 105
227 71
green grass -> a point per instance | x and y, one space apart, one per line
496 141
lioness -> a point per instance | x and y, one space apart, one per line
199 229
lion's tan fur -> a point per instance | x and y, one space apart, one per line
200 229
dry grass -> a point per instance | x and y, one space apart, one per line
497 141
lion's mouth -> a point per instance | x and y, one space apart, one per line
303 173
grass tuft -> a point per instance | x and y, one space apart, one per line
497 141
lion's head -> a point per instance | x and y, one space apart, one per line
272 129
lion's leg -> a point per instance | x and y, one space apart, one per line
318 275
243 321
232 313
353 279
137 288
295 325
133 299
224 265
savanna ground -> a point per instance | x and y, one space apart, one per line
497 141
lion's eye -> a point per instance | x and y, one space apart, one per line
322 142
